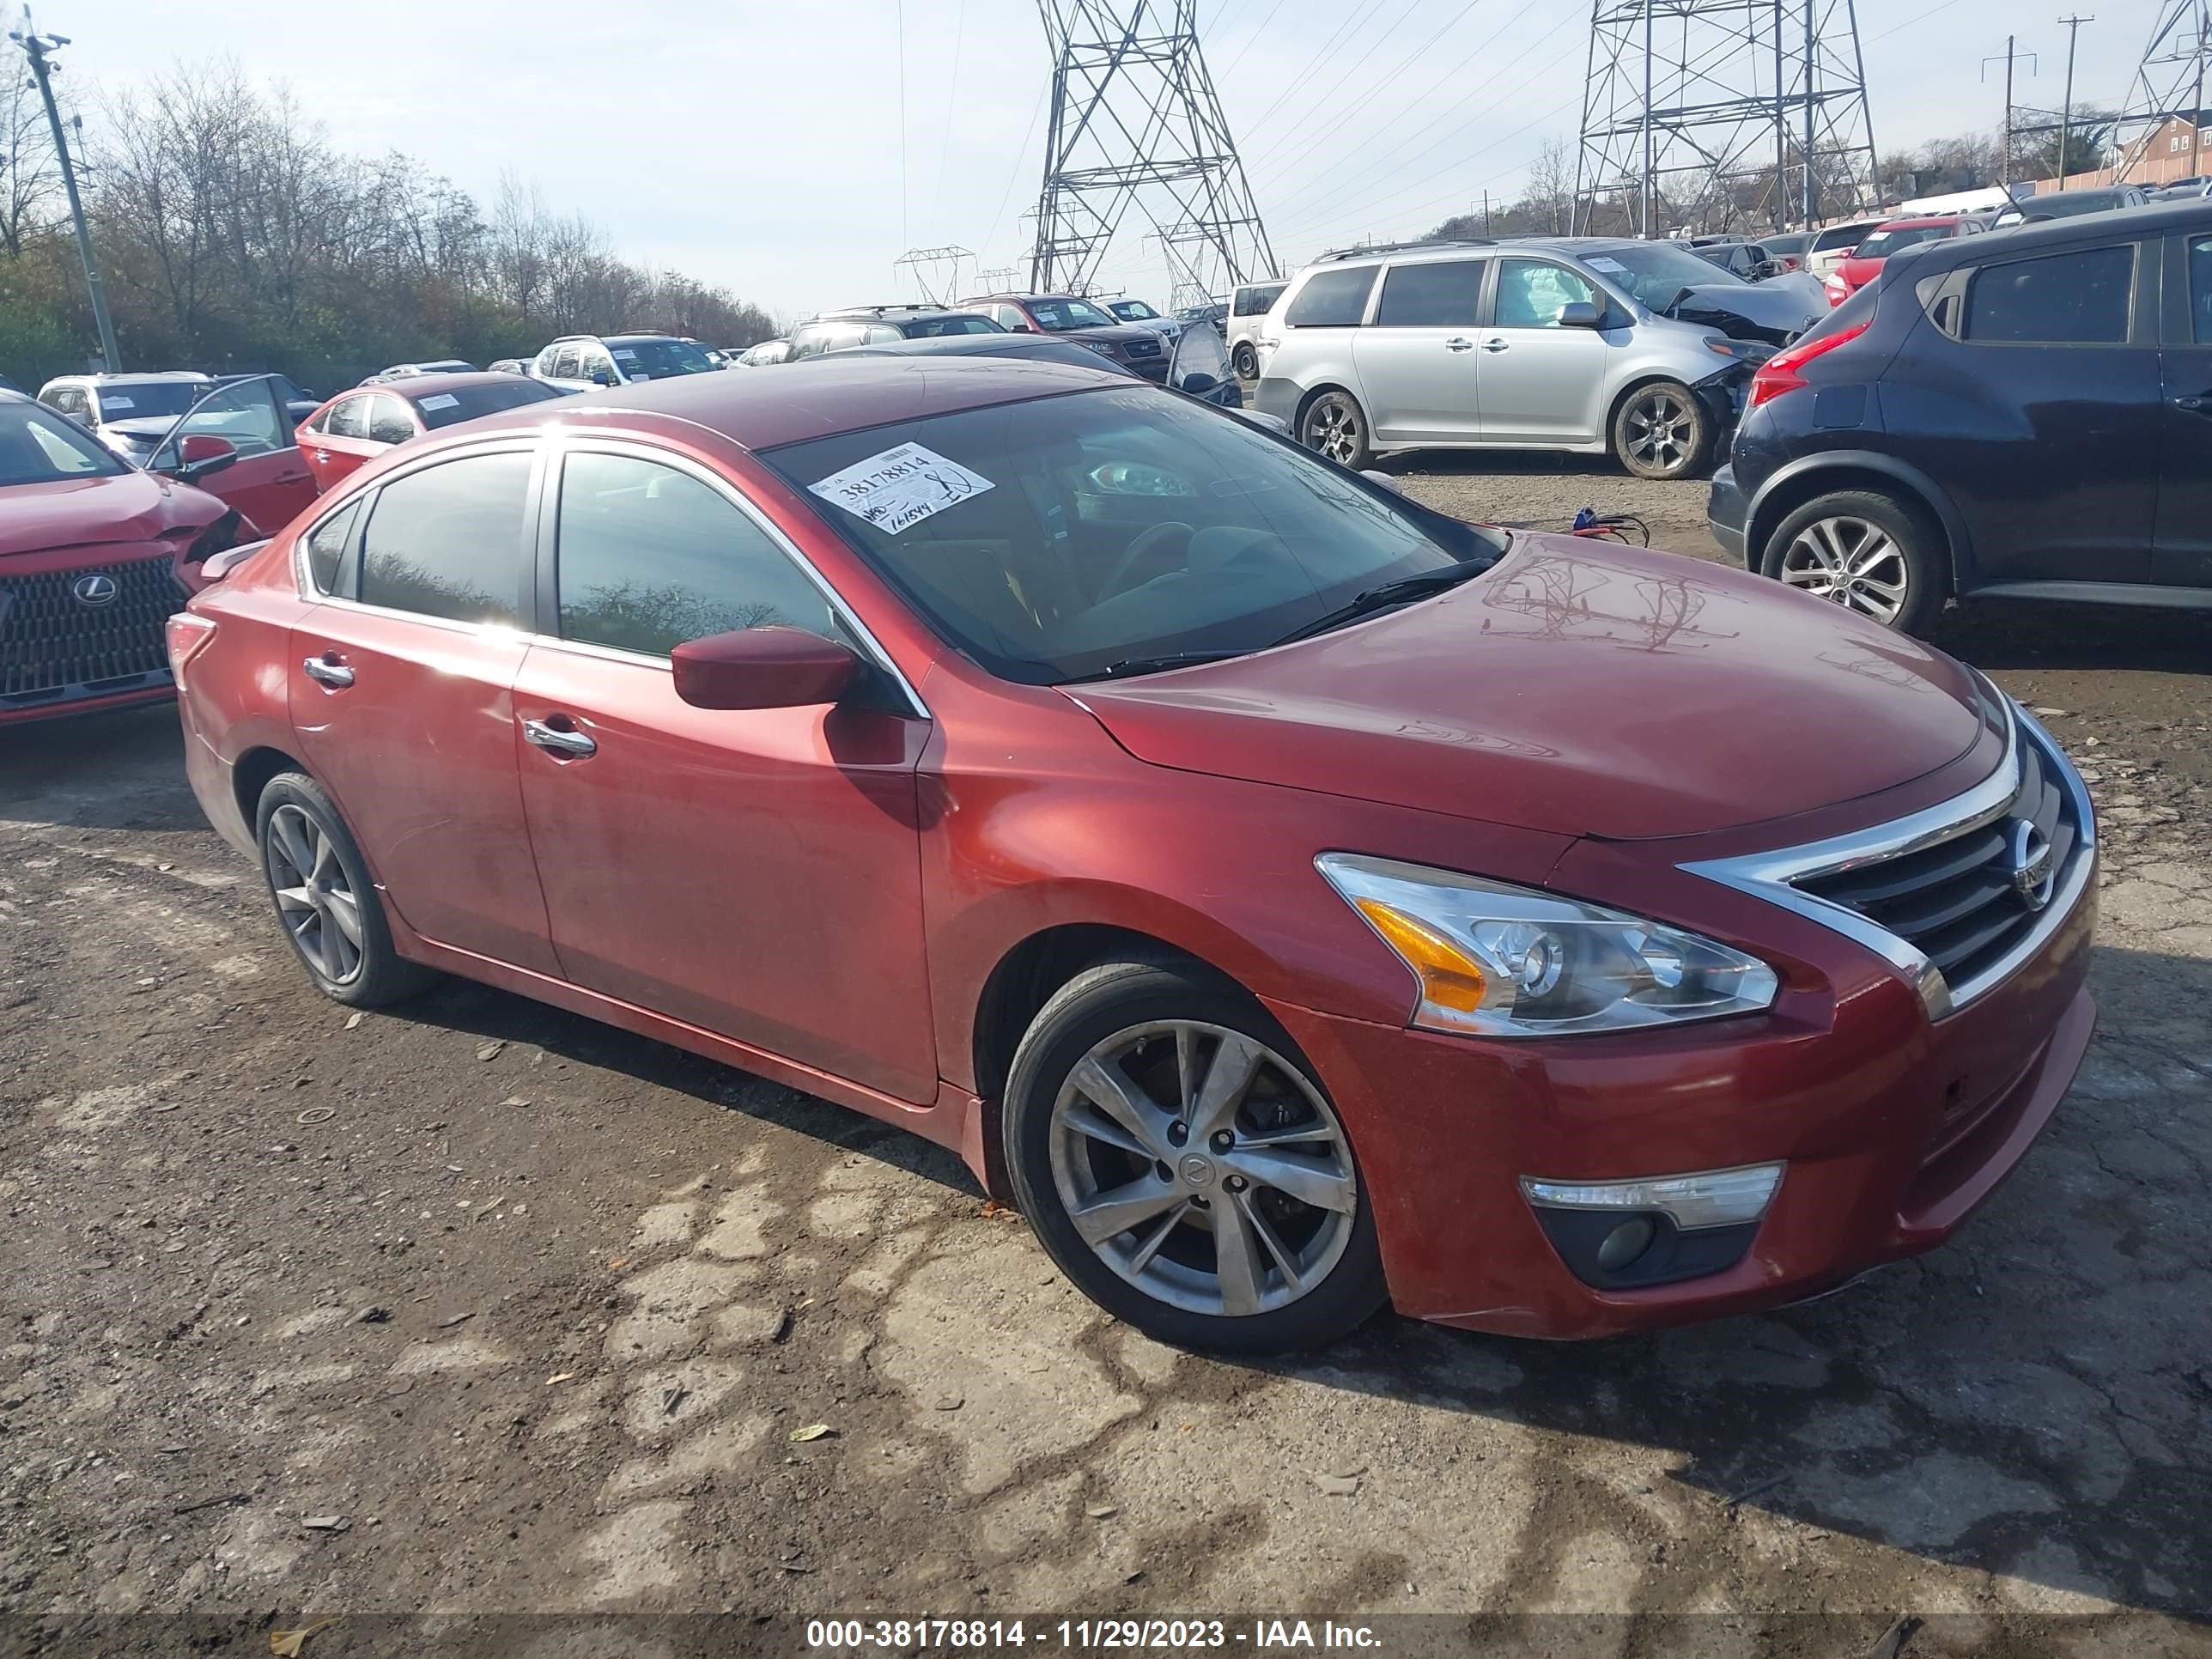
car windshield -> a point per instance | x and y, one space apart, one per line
1883 243
137 400
932 328
1055 538
1655 272
38 448
1134 311
1058 314
656 360
466 403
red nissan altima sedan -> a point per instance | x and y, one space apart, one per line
1290 898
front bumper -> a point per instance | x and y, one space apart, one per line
1893 1110
1727 514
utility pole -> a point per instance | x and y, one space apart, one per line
2004 159
36 47
2073 26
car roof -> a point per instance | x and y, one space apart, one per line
845 392
1920 221
415 387
2160 219
164 376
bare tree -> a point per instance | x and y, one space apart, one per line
30 180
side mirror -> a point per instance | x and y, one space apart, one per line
603 376
199 453
1580 313
772 667
1198 384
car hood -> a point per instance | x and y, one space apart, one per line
137 507
1119 334
1578 687
1776 311
1859 272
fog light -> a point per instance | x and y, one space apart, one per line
1625 1244
1717 1198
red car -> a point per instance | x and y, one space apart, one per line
1865 261
1287 895
94 556
359 425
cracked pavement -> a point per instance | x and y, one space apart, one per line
540 1311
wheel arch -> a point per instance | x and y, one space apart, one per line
1313 394
1814 476
250 773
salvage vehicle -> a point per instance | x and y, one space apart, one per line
1641 350
2026 414
1866 259
1286 895
577 362
94 556
853 326
99 403
1135 346
1247 305
359 425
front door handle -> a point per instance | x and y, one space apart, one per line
328 670
2199 405
1456 343
1496 344
562 739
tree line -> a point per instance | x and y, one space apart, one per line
1744 202
232 237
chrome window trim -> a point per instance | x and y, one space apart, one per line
1771 876
564 442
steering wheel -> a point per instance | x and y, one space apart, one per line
1146 544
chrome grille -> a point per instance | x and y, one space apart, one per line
1940 895
1958 902
1144 348
55 646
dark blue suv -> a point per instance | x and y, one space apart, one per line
2025 414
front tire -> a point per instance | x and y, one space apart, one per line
1866 550
1335 425
1247 360
320 886
1662 431
1178 1161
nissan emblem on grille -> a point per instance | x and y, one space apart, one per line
2033 872
94 589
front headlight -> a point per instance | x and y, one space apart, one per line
1511 962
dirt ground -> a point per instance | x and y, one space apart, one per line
472 1308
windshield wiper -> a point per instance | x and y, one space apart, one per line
1130 665
1404 591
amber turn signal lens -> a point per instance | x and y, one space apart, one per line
1449 977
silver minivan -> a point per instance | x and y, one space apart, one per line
1595 345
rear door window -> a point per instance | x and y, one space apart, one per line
451 540
388 422
1332 299
1444 294
2077 298
2200 288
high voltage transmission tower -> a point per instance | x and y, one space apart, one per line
1135 123
1716 114
2170 81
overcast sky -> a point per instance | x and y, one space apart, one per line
759 145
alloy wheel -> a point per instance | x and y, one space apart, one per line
1660 431
1200 1166
1853 562
319 908
1334 430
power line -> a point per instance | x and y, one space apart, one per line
1324 134
1295 83
906 229
1250 38
1014 172
952 107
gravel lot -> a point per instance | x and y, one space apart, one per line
538 1311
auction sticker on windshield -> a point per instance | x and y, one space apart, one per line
443 400
1599 262
901 487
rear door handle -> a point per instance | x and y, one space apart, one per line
1457 343
322 458
563 739
328 670
1496 344
2195 405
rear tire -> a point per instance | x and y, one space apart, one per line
1335 425
1877 556
1662 431
1247 360
325 899
1259 1237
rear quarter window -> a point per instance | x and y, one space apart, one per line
2075 298
1332 299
